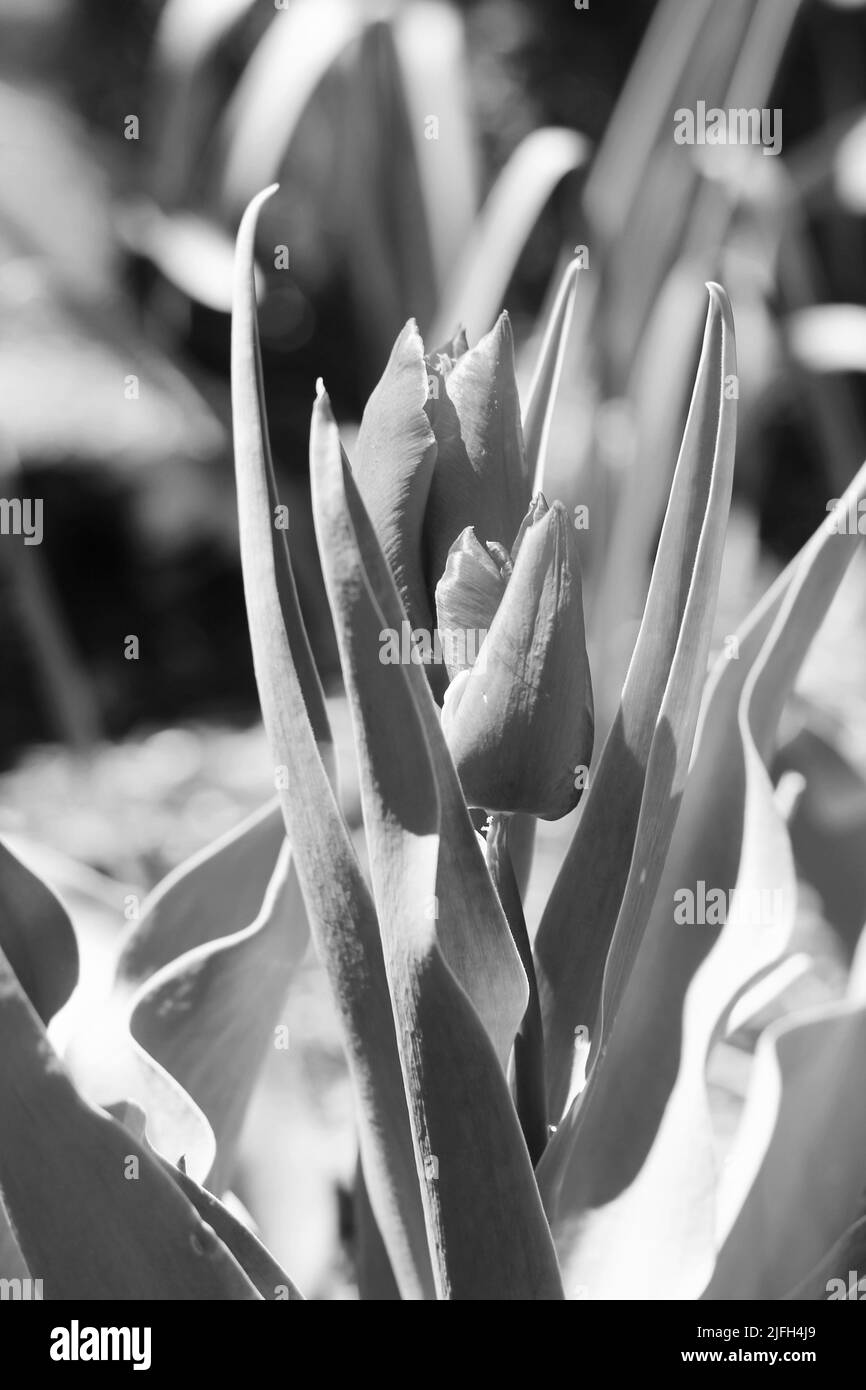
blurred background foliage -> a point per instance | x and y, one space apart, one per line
555 130
116 257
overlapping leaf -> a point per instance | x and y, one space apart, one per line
200 985
94 1215
36 936
611 869
634 1167
341 912
538 413
806 1098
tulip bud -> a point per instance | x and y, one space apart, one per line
480 474
520 721
467 597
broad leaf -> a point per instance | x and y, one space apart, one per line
95 1216
634 1166
200 985
806 1098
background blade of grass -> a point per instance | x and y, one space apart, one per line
475 292
431 49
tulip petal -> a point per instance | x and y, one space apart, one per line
611 870
479 479
394 457
486 1232
340 910
86 1225
521 723
444 357
467 597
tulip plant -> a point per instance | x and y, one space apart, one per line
534 1101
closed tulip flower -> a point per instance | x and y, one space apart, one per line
519 721
440 449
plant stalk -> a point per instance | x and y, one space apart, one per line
528 1079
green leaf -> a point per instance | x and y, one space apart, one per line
486 1230
473 932
604 890
84 1225
12 1264
828 337
538 414
430 46
805 1099
387 232
289 63
254 1259
634 1167
640 116
209 1017
187 87
36 936
659 391
476 290
848 1253
340 910
200 985
376 1282
230 876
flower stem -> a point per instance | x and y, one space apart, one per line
529 1083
